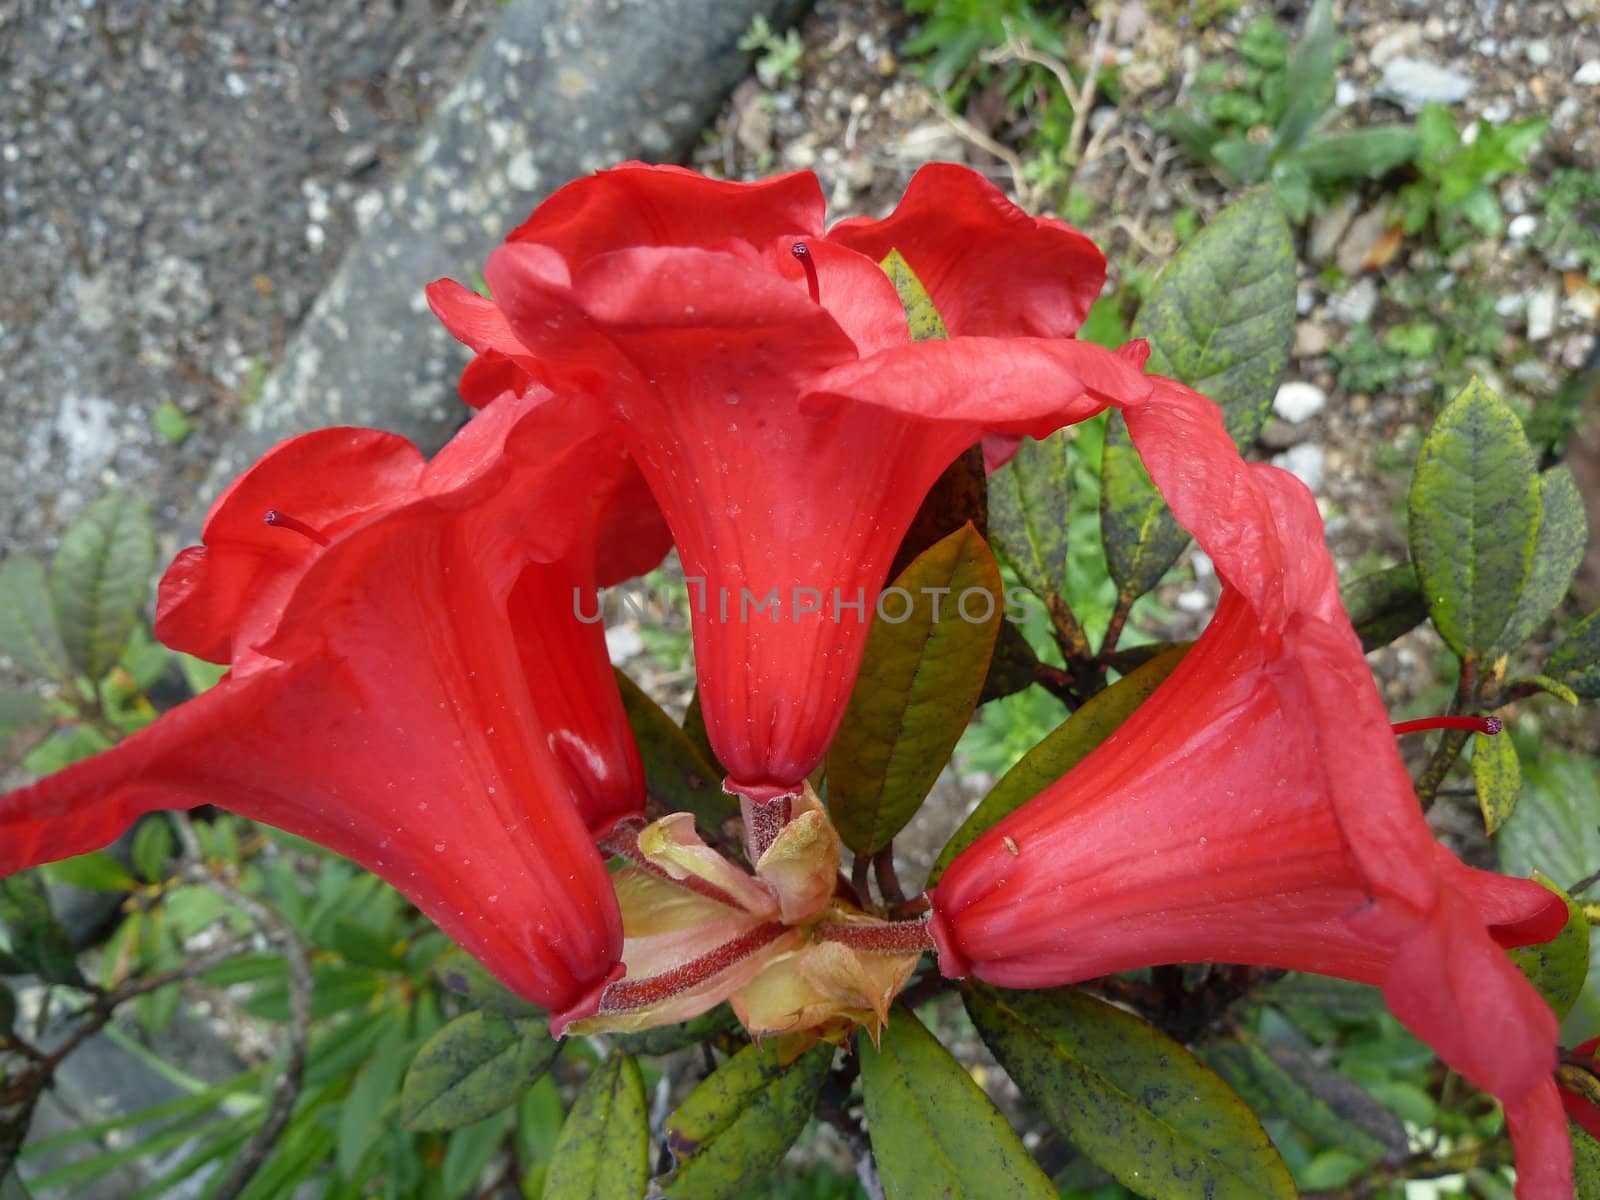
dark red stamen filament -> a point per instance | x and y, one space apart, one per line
284 521
1490 725
803 252
624 843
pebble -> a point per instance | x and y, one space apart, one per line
1355 305
1522 228
1299 401
1329 227
1541 314
1193 600
1307 462
1413 82
1310 339
1538 53
1510 305
1359 240
622 643
1589 74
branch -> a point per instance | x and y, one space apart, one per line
1452 742
1485 1156
287 1089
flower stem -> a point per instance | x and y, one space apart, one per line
891 937
1452 743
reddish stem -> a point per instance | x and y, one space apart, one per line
1485 725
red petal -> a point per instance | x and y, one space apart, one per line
991 269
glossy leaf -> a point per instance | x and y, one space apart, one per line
1576 661
927 653
1474 508
472 1068
1497 778
99 579
664 1039
1221 320
959 495
603 1152
1384 605
676 773
934 1132
1558 967
1129 1097
1028 503
736 1126
1558 552
465 976
28 632
39 942
1334 1110
1062 749
1012 667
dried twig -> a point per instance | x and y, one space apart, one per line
1026 193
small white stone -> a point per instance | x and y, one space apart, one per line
622 643
1541 314
1521 228
1345 93
521 173
1510 305
1193 600
1538 53
1299 401
1307 462
1355 305
1589 74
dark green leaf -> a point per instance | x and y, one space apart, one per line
473 1067
1064 748
1220 319
8 1009
934 1133
1474 519
465 976
1576 662
1563 537
152 846
1129 1097
38 940
603 1152
1334 157
1558 967
927 653
28 633
1585 1163
1335 1111
361 1116
99 579
1012 667
1028 500
1244 160
959 495
739 1122
676 774
922 318
1384 605
664 1039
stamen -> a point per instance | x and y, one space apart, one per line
294 524
893 937
803 252
1488 725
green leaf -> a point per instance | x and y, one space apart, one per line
1550 687
1585 1163
1368 153
934 1132
1576 662
361 1116
1384 605
1557 555
1558 967
38 940
96 871
1280 1079
1497 777
1311 68
603 1152
28 633
1064 748
19 711
736 1126
676 774
65 747
8 1010
1221 320
170 422
959 495
926 657
664 1039
200 675
922 317
465 976
152 846
1474 507
1028 504
1129 1097
99 579
1012 667
473 1067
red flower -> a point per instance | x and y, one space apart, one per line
1579 1077
1256 811
765 379
394 641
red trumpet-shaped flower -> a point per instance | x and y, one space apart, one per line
408 688
1255 811
765 377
